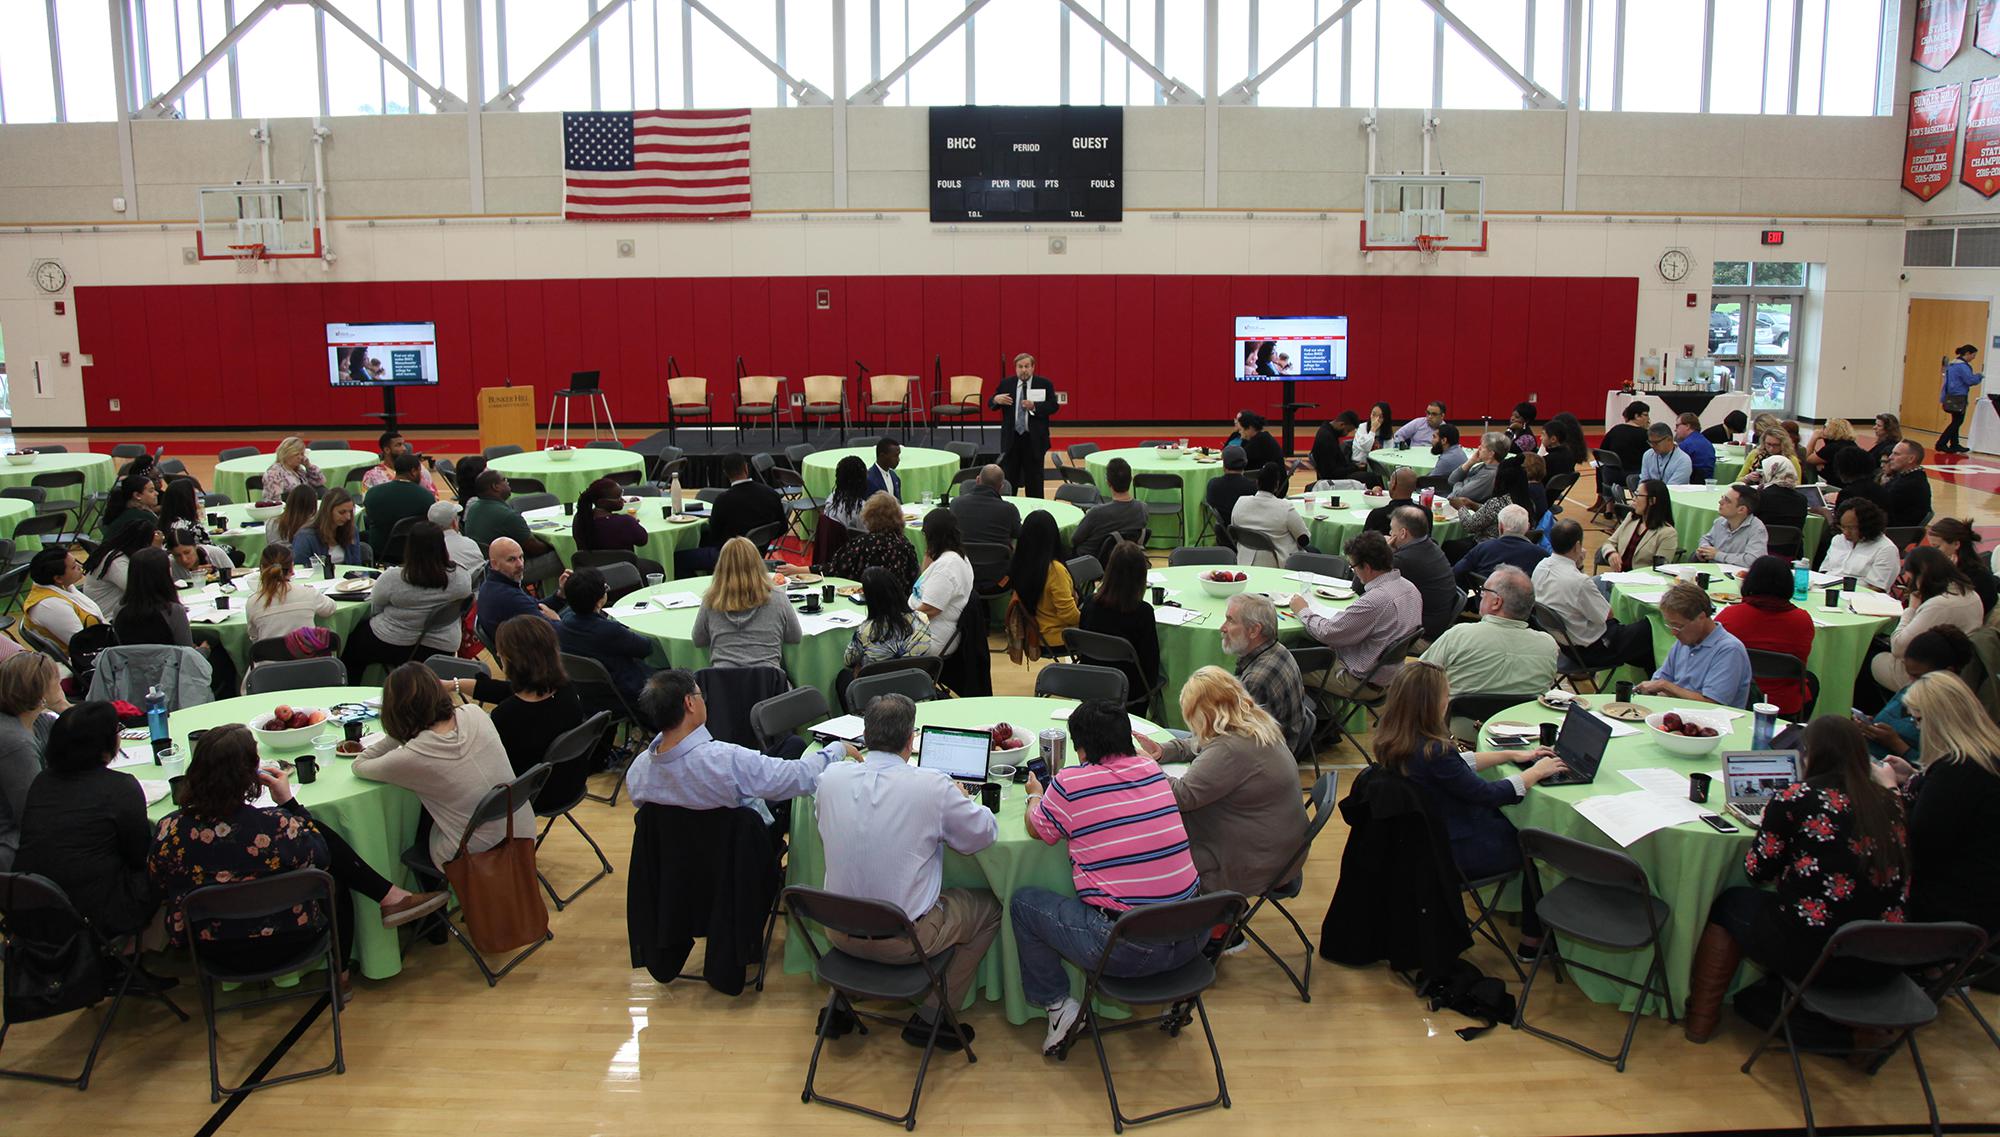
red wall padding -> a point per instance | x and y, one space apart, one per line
1126 348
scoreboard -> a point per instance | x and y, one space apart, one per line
1027 163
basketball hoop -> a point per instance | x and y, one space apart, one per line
246 257
1427 246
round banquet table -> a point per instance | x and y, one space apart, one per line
814 661
1387 460
663 537
1330 529
97 469
247 533
566 477
13 511
1840 636
233 477
1186 648
1014 861
379 820
1066 515
922 470
1688 864
1194 471
233 628
1729 459
1697 507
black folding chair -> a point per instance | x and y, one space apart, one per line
1200 555
1084 573
1782 665
1175 510
852 977
497 805
1178 989
1604 899
293 675
593 686
1289 882
1484 926
573 745
1082 682
1109 651
257 899
1786 541
1897 1005
38 922
913 682
779 717
1260 546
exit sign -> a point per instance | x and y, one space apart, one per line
1774 236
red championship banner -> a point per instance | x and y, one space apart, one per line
1940 29
1986 35
1927 151
1982 137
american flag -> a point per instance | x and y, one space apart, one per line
656 165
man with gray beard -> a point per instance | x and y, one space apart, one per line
1268 672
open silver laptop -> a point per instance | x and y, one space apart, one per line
1751 777
962 755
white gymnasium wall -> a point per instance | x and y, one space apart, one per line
1644 183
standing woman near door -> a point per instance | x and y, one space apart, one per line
1959 380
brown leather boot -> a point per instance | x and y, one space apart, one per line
1715 960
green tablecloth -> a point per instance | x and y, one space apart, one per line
1695 511
1014 861
814 661
234 631
663 537
13 511
1194 471
245 532
922 470
379 820
233 477
1729 463
1186 648
1688 864
1066 515
566 477
1419 458
98 470
1840 637
1330 529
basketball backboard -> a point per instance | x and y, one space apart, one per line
276 216
1427 213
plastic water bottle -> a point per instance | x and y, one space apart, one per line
156 720
674 493
1764 726
1801 581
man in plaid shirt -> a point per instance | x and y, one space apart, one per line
1250 633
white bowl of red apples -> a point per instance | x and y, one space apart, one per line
1009 740
288 727
1689 733
1223 582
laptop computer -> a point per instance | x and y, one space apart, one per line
1815 497
582 381
1580 745
960 754
1750 777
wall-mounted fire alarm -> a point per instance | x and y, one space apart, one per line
823 299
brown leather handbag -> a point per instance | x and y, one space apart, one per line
497 891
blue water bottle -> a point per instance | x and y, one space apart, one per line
156 721
1801 581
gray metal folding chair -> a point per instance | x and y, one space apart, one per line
1084 573
497 805
1156 511
595 689
1260 546
1289 882
293 674
1200 555
573 745
779 717
1081 681
1604 899
1326 564
1109 651
920 687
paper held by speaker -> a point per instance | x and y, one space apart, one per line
1424 214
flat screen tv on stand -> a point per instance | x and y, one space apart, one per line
1288 350
382 355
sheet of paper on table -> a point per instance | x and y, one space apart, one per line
1175 616
1156 577
153 790
1629 816
1618 729
139 754
1647 597
847 728
1661 780
1642 577
672 600
1318 578
207 615
818 622
1873 604
1176 770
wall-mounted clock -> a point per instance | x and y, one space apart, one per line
1674 264
51 276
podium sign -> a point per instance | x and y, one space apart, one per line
507 417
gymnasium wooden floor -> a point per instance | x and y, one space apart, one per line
576 1042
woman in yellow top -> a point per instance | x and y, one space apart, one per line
1775 442
54 607
1041 581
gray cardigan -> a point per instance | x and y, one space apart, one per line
1240 802
755 637
20 762
399 610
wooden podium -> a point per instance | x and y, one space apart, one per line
507 416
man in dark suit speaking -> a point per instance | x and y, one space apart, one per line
1025 403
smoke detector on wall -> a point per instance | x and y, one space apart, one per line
627 248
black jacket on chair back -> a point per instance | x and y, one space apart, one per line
1398 896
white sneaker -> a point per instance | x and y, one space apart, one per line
1062 1022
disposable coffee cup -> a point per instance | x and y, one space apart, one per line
1001 771
1847 583
352 730
177 788
1159 594
989 794
307 769
1701 581
1832 597
1549 731
826 593
1624 690
222 603
569 509
1698 787
812 601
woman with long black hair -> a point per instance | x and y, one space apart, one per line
404 604
602 523
1041 582
133 501
151 612
105 573
849 493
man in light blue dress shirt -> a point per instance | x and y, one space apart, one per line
1737 537
1420 431
1663 459
686 766
1706 662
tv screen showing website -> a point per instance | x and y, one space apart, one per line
1277 348
382 355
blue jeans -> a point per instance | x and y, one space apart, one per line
1050 928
